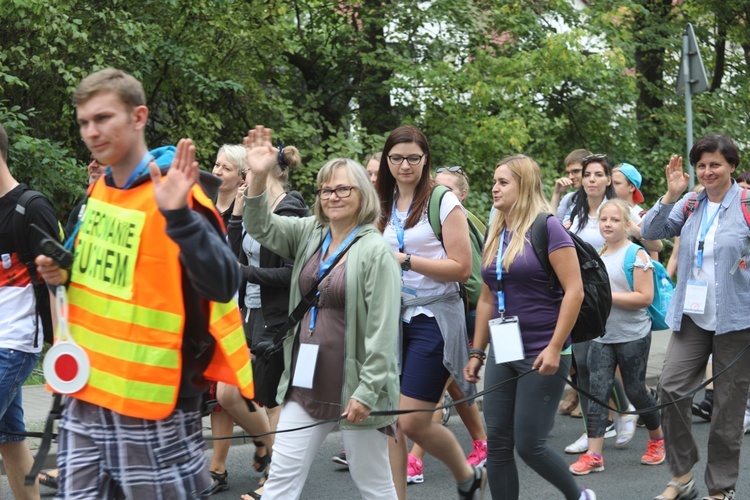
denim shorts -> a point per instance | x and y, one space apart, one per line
15 368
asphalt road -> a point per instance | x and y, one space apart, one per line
624 477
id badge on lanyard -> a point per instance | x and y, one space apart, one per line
507 343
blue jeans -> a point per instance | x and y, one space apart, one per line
15 368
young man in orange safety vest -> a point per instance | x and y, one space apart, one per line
151 295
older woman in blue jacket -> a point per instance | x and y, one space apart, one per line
707 314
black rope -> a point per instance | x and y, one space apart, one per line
466 399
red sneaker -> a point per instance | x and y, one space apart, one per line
654 453
587 463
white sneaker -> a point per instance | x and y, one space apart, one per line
580 445
610 431
625 428
747 423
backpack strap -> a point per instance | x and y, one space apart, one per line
19 233
540 244
433 210
745 203
478 224
630 255
689 207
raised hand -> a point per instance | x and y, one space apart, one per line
677 180
562 184
239 199
261 154
171 192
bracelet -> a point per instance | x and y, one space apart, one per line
478 352
477 356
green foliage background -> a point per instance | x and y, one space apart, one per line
483 79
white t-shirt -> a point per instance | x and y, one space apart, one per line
706 273
590 234
420 240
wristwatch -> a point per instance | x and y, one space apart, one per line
406 264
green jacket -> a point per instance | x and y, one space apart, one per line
373 305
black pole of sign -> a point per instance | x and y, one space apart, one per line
691 80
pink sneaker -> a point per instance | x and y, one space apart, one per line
414 470
478 456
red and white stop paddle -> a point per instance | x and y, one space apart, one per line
66 364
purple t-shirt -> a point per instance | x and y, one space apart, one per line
525 286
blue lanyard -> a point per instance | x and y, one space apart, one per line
139 170
400 226
705 226
325 265
499 271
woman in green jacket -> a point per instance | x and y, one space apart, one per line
343 363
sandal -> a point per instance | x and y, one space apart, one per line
48 480
254 495
685 491
260 462
264 477
219 483
725 495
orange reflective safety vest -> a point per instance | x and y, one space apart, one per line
126 307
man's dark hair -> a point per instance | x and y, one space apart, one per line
712 143
3 144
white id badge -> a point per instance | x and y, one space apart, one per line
305 368
695 297
507 344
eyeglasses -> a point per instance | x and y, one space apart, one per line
455 169
411 159
596 157
341 192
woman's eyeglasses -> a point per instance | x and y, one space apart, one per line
397 160
341 192
455 169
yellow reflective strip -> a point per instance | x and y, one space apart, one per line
221 309
245 375
125 311
129 389
124 350
234 341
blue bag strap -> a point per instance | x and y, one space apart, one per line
630 256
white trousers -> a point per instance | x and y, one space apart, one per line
294 452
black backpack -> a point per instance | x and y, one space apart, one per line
41 293
597 295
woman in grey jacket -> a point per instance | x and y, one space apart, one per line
343 363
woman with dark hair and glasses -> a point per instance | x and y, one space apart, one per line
583 220
434 343
455 179
342 364
708 314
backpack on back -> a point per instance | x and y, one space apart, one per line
474 284
663 288
597 294
41 293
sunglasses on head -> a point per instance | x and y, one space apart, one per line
460 170
596 157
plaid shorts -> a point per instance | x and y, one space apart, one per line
103 454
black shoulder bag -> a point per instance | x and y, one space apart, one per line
268 364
